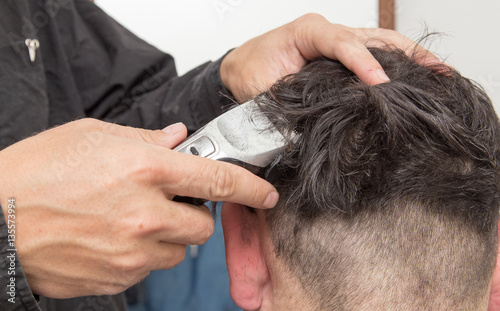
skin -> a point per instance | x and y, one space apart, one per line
259 280
250 69
93 200
94 213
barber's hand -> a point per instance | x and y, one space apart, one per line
93 209
253 67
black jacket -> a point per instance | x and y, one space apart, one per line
87 65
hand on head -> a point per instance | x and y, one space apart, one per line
253 67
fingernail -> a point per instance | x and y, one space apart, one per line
271 199
174 128
382 76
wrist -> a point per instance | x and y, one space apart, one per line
225 67
228 74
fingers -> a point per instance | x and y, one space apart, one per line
176 133
359 60
167 256
182 223
337 42
156 234
381 38
316 37
351 50
172 226
188 175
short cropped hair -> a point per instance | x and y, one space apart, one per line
390 195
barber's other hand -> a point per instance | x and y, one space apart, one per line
93 208
253 67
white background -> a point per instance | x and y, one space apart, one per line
195 31
472 40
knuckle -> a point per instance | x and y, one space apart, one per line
139 219
113 289
141 277
311 17
203 230
259 193
140 167
346 36
223 185
206 234
156 133
148 135
140 224
124 271
390 33
387 35
176 255
130 266
87 123
304 22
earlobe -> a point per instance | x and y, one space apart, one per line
246 266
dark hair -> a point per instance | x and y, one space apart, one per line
405 173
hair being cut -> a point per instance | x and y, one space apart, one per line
390 196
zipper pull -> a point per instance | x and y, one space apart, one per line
193 251
33 45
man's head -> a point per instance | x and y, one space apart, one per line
389 199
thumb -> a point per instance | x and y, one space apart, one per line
169 137
175 134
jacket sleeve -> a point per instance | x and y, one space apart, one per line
194 99
15 293
127 81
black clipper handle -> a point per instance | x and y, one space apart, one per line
189 200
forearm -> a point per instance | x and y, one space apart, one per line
194 99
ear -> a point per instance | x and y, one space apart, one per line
246 265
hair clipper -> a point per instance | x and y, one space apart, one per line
243 136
